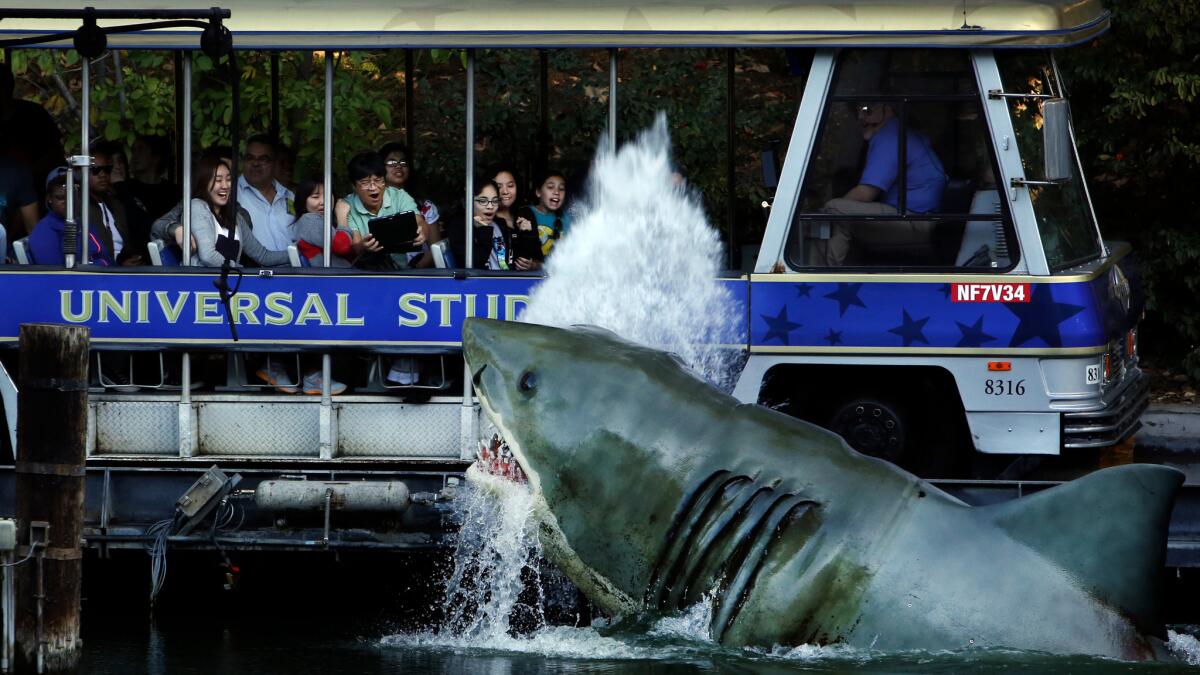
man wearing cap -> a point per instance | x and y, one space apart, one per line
45 244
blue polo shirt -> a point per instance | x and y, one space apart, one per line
926 177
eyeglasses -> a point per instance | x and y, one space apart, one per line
484 201
391 163
101 169
262 159
371 181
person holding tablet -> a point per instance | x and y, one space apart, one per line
373 199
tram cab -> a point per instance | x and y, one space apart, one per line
931 281
933 276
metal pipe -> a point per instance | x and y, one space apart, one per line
85 121
326 216
612 99
543 133
186 162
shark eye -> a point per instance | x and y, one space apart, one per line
528 381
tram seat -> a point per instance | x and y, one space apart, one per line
21 249
163 254
294 257
943 241
443 257
983 241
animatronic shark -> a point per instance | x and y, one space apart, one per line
655 488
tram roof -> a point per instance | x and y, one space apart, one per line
369 24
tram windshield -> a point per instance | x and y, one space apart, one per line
870 199
1065 220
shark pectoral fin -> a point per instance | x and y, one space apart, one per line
1107 529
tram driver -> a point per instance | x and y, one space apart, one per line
877 192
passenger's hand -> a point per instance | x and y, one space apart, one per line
419 240
524 224
526 264
371 245
132 261
480 222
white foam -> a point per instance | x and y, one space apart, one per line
642 261
1185 646
694 624
556 641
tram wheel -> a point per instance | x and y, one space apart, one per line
873 427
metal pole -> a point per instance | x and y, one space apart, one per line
186 161
731 155
328 168
328 440
467 425
470 163
410 130
85 209
275 96
612 99
543 138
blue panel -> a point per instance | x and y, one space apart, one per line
281 310
900 315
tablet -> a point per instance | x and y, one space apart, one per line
396 232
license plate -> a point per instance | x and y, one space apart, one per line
1003 292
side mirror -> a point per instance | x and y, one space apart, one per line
1056 137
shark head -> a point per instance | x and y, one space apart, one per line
561 400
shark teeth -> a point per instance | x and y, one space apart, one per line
494 457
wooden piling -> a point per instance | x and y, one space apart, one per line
51 440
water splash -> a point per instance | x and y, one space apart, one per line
642 261
496 554
1184 646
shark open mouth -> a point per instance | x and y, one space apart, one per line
495 458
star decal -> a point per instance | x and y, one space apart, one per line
846 296
973 335
804 290
944 289
779 326
834 337
1040 317
910 331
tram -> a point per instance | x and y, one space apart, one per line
984 316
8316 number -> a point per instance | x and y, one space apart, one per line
1004 387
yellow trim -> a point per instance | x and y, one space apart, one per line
949 351
1119 251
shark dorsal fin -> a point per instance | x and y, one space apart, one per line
1108 529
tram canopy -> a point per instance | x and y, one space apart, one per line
369 24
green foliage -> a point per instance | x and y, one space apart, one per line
133 93
1135 93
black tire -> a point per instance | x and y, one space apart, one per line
874 426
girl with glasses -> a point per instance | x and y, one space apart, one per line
495 244
516 219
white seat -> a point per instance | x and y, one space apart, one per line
21 248
294 255
443 257
154 248
984 237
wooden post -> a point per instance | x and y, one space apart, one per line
51 438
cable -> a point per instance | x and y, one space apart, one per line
159 533
32 550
